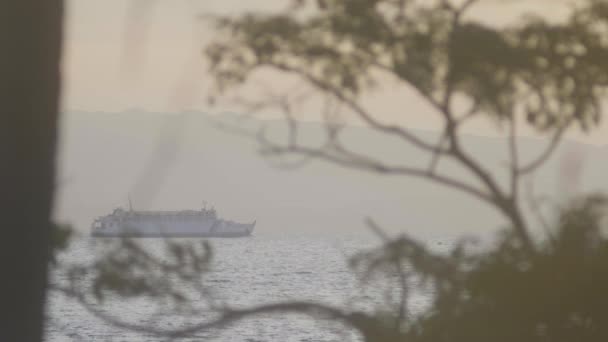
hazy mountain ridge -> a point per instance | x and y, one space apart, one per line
177 162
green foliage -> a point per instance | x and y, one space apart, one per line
62 233
124 269
129 270
506 294
552 73
502 293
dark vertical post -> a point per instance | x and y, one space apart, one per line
30 50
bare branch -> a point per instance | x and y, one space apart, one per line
495 197
452 124
466 6
292 125
473 110
223 318
358 109
427 97
535 207
513 153
436 156
459 154
503 202
402 311
457 9
457 12
548 152
377 230
344 157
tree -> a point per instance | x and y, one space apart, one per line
29 95
550 76
547 75
504 294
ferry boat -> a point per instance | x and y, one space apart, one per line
169 224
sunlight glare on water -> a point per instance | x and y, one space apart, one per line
244 272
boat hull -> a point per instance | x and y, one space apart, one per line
168 235
156 228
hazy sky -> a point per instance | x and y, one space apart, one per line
116 60
147 54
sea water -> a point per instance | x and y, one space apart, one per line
244 272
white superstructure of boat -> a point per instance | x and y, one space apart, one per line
184 223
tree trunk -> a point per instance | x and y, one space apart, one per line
30 48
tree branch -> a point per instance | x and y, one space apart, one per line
359 110
514 162
436 156
496 196
402 311
348 158
548 152
226 316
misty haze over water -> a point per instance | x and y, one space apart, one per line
246 271
172 162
